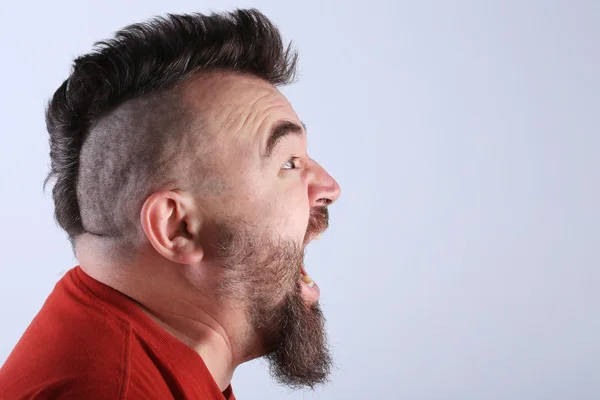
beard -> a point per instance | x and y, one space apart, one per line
264 274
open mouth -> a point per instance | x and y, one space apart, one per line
306 278
310 290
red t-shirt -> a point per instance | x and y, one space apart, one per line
90 341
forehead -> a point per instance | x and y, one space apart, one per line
236 103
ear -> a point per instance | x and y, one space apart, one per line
172 223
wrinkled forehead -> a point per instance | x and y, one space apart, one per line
236 103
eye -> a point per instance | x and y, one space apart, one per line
291 163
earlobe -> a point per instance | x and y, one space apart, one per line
172 224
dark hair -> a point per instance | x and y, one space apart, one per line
138 70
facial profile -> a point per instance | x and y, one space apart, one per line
276 205
183 180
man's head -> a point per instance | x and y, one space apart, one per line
172 140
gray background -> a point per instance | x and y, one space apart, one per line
462 260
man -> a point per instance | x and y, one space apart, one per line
183 182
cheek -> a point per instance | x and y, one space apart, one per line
284 211
293 217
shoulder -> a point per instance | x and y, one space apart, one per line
62 383
72 349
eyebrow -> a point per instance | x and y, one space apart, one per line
282 129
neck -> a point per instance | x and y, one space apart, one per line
200 334
181 306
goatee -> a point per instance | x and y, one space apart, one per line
301 357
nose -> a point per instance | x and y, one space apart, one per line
323 189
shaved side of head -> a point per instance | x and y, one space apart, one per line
148 144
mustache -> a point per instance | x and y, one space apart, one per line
317 222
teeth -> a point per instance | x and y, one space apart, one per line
308 280
319 236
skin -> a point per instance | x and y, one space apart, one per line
175 275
